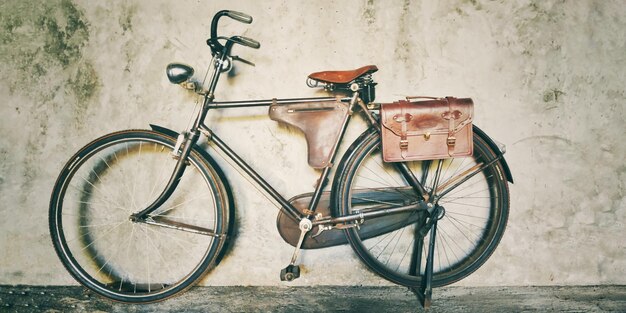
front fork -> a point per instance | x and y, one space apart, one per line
187 141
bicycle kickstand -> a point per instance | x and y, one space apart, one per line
425 292
292 271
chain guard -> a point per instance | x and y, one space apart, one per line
290 232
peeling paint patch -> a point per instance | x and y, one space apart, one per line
369 14
64 37
402 49
83 85
41 51
126 19
473 4
41 58
552 95
4 164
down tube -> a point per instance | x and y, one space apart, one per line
257 178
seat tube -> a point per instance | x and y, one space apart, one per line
323 180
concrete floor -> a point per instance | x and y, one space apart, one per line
326 299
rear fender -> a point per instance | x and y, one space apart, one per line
492 144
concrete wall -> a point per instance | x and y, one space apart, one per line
547 78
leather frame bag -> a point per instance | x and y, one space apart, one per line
321 122
437 128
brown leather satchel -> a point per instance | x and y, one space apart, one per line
437 128
321 123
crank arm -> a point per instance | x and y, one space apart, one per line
305 226
168 223
294 257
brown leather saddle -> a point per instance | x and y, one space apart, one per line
343 77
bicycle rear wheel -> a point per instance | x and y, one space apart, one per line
120 174
475 213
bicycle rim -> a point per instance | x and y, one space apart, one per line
107 181
475 214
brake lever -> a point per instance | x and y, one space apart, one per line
245 41
242 60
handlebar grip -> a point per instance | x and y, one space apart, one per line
245 41
239 16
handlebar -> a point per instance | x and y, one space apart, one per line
217 47
239 16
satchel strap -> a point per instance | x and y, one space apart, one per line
403 118
451 116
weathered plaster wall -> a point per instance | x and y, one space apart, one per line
547 78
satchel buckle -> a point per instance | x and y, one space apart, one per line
451 141
404 144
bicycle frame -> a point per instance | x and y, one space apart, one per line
232 155
189 139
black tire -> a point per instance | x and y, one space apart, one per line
119 174
475 217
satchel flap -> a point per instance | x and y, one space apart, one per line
431 116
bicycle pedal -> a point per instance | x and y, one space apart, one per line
290 273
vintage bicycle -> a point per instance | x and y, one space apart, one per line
141 215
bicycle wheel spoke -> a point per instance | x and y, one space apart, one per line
172 207
115 205
405 254
161 177
395 246
456 224
176 241
105 234
467 204
467 215
448 251
381 169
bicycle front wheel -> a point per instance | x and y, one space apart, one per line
120 174
395 246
